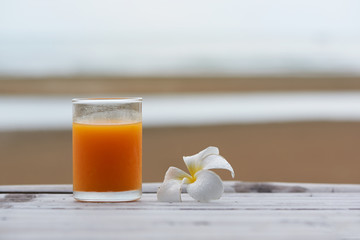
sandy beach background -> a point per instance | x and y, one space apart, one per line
97 85
324 152
293 152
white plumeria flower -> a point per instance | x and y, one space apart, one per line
202 184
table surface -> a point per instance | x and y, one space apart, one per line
245 211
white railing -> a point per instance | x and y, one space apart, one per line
42 113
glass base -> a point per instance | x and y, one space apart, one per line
107 196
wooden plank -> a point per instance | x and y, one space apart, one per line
229 201
277 187
234 216
87 224
296 211
63 188
273 187
230 186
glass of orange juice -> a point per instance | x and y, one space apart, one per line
107 149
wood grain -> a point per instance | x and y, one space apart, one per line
235 216
229 187
321 211
228 202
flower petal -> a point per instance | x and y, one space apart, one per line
170 191
217 162
175 174
193 163
208 186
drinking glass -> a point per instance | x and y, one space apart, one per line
107 149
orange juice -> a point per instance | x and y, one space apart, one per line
107 157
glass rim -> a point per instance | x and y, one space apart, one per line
104 100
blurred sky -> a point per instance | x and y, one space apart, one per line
195 37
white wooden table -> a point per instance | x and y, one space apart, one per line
246 211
